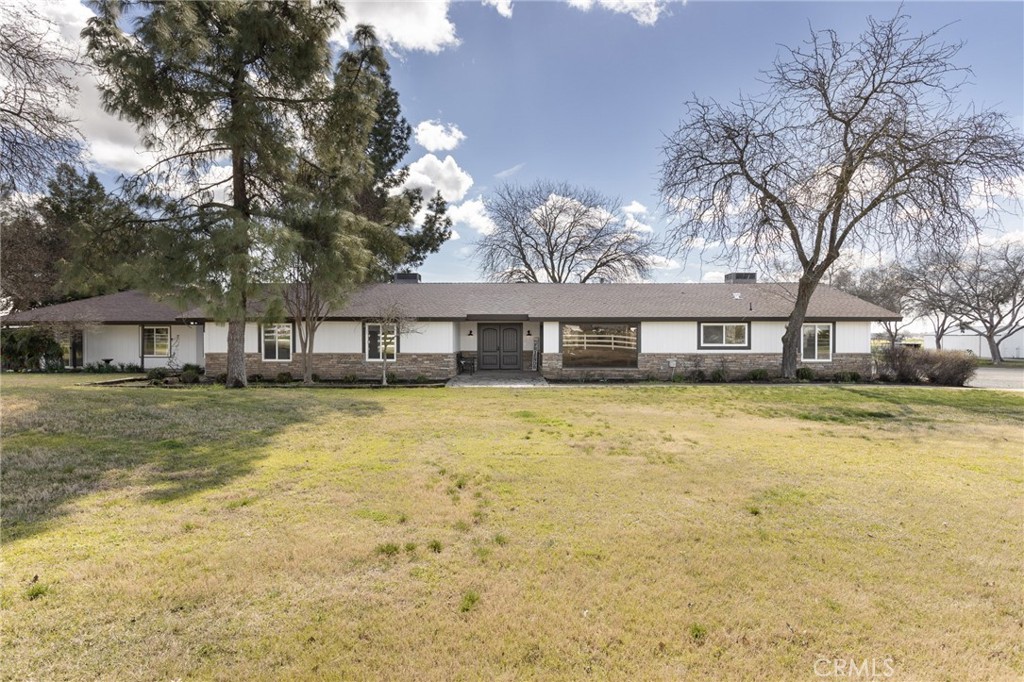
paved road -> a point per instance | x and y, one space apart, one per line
999 377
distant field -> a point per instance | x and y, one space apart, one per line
705 532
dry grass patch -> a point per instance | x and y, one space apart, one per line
646 533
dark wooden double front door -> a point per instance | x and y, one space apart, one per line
501 346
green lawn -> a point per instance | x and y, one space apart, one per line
650 532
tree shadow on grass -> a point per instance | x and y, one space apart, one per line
70 443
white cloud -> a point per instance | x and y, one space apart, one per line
431 174
713 276
645 12
504 7
111 143
636 226
663 263
509 172
634 208
402 25
435 136
472 214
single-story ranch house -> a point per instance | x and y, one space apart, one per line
563 331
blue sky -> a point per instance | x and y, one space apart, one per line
584 91
588 96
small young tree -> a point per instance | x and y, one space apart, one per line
330 244
982 287
555 232
855 146
385 329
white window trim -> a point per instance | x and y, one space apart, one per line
366 341
740 346
263 342
156 355
831 341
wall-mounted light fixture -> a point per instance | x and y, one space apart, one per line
471 332
529 333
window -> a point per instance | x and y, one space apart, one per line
277 342
599 344
817 342
156 342
381 341
724 335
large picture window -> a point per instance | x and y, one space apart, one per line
277 342
381 341
156 342
817 342
724 335
599 344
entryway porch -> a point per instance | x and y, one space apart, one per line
498 378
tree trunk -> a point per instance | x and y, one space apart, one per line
236 353
938 339
993 348
794 328
307 353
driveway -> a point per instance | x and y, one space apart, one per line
999 377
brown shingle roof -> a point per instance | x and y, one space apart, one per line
124 307
460 301
589 301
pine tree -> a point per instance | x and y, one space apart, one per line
215 88
388 146
329 242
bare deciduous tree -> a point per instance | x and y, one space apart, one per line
392 322
856 146
555 232
981 287
37 96
931 300
886 286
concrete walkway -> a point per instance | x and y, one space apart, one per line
490 378
1007 377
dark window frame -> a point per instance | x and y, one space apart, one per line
263 342
721 346
832 339
366 341
154 354
561 337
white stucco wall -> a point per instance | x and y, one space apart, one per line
466 342
765 337
117 341
668 337
338 337
551 340
123 344
428 337
216 339
853 337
